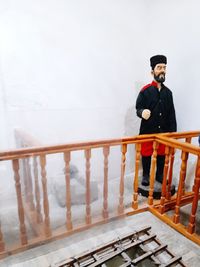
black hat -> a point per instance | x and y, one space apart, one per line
157 59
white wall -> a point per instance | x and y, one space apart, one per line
71 70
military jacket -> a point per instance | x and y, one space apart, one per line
160 103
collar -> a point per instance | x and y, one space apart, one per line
154 84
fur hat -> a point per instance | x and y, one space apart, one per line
157 59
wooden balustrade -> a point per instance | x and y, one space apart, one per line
31 180
181 198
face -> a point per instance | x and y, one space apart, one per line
159 72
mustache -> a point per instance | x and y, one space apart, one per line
162 73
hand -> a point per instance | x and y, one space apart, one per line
146 113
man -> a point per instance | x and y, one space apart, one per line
155 107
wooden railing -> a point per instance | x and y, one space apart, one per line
182 197
31 185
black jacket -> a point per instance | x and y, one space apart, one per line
160 103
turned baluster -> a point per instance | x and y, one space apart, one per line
152 173
185 170
135 185
47 228
23 234
24 171
37 190
164 183
168 193
87 196
187 140
68 192
30 185
191 225
106 151
121 186
193 187
176 217
2 244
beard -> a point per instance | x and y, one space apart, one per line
160 78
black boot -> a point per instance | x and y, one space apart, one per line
146 164
160 167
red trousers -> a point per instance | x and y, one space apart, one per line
147 149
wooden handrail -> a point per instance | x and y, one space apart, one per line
162 138
35 151
179 135
186 147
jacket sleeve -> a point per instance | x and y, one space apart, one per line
172 117
140 105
